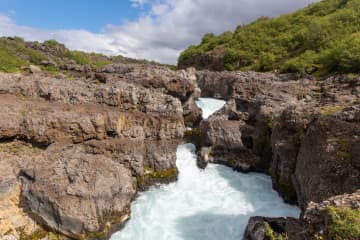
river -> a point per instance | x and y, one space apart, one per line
211 204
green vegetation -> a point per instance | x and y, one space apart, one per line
14 55
344 223
332 109
151 174
320 39
51 43
271 235
195 136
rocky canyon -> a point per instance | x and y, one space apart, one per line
83 136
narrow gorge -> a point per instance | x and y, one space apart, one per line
254 135
213 203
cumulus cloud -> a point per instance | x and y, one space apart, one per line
164 28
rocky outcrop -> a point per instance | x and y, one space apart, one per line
272 123
96 146
212 60
262 228
327 162
335 218
302 132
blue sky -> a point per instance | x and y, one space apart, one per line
91 15
145 29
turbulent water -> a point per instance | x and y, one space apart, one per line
209 204
209 106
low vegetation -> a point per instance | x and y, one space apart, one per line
321 39
16 54
271 235
344 223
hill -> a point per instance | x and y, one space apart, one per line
51 56
320 39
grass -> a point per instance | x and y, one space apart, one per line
271 235
14 55
51 43
331 110
344 223
321 39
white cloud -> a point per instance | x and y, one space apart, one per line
163 30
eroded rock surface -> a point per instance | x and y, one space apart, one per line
96 145
334 218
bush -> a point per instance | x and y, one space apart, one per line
51 43
343 56
78 56
305 63
344 223
321 39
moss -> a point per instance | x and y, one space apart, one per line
97 236
301 95
301 135
152 175
287 188
351 76
344 223
54 236
51 43
140 106
195 136
271 235
50 69
8 232
342 148
331 110
38 234
78 56
17 148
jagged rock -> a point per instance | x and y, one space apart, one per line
99 144
325 164
34 69
78 193
263 228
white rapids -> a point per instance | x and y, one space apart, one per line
209 204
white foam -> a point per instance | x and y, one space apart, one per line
209 106
209 204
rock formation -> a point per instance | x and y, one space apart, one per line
303 132
77 144
86 149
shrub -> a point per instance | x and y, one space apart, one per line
51 43
320 39
344 223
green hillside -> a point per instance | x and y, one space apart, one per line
320 39
15 54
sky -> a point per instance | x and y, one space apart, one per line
145 29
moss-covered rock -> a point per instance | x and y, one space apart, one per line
152 177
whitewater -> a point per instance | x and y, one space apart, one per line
210 204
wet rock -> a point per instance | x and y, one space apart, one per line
262 228
325 164
99 144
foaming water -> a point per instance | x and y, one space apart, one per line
209 204
209 105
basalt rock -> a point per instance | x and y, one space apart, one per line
327 160
263 228
334 218
96 146
303 132
267 125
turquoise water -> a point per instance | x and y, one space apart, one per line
209 204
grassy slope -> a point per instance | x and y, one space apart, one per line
15 53
322 38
